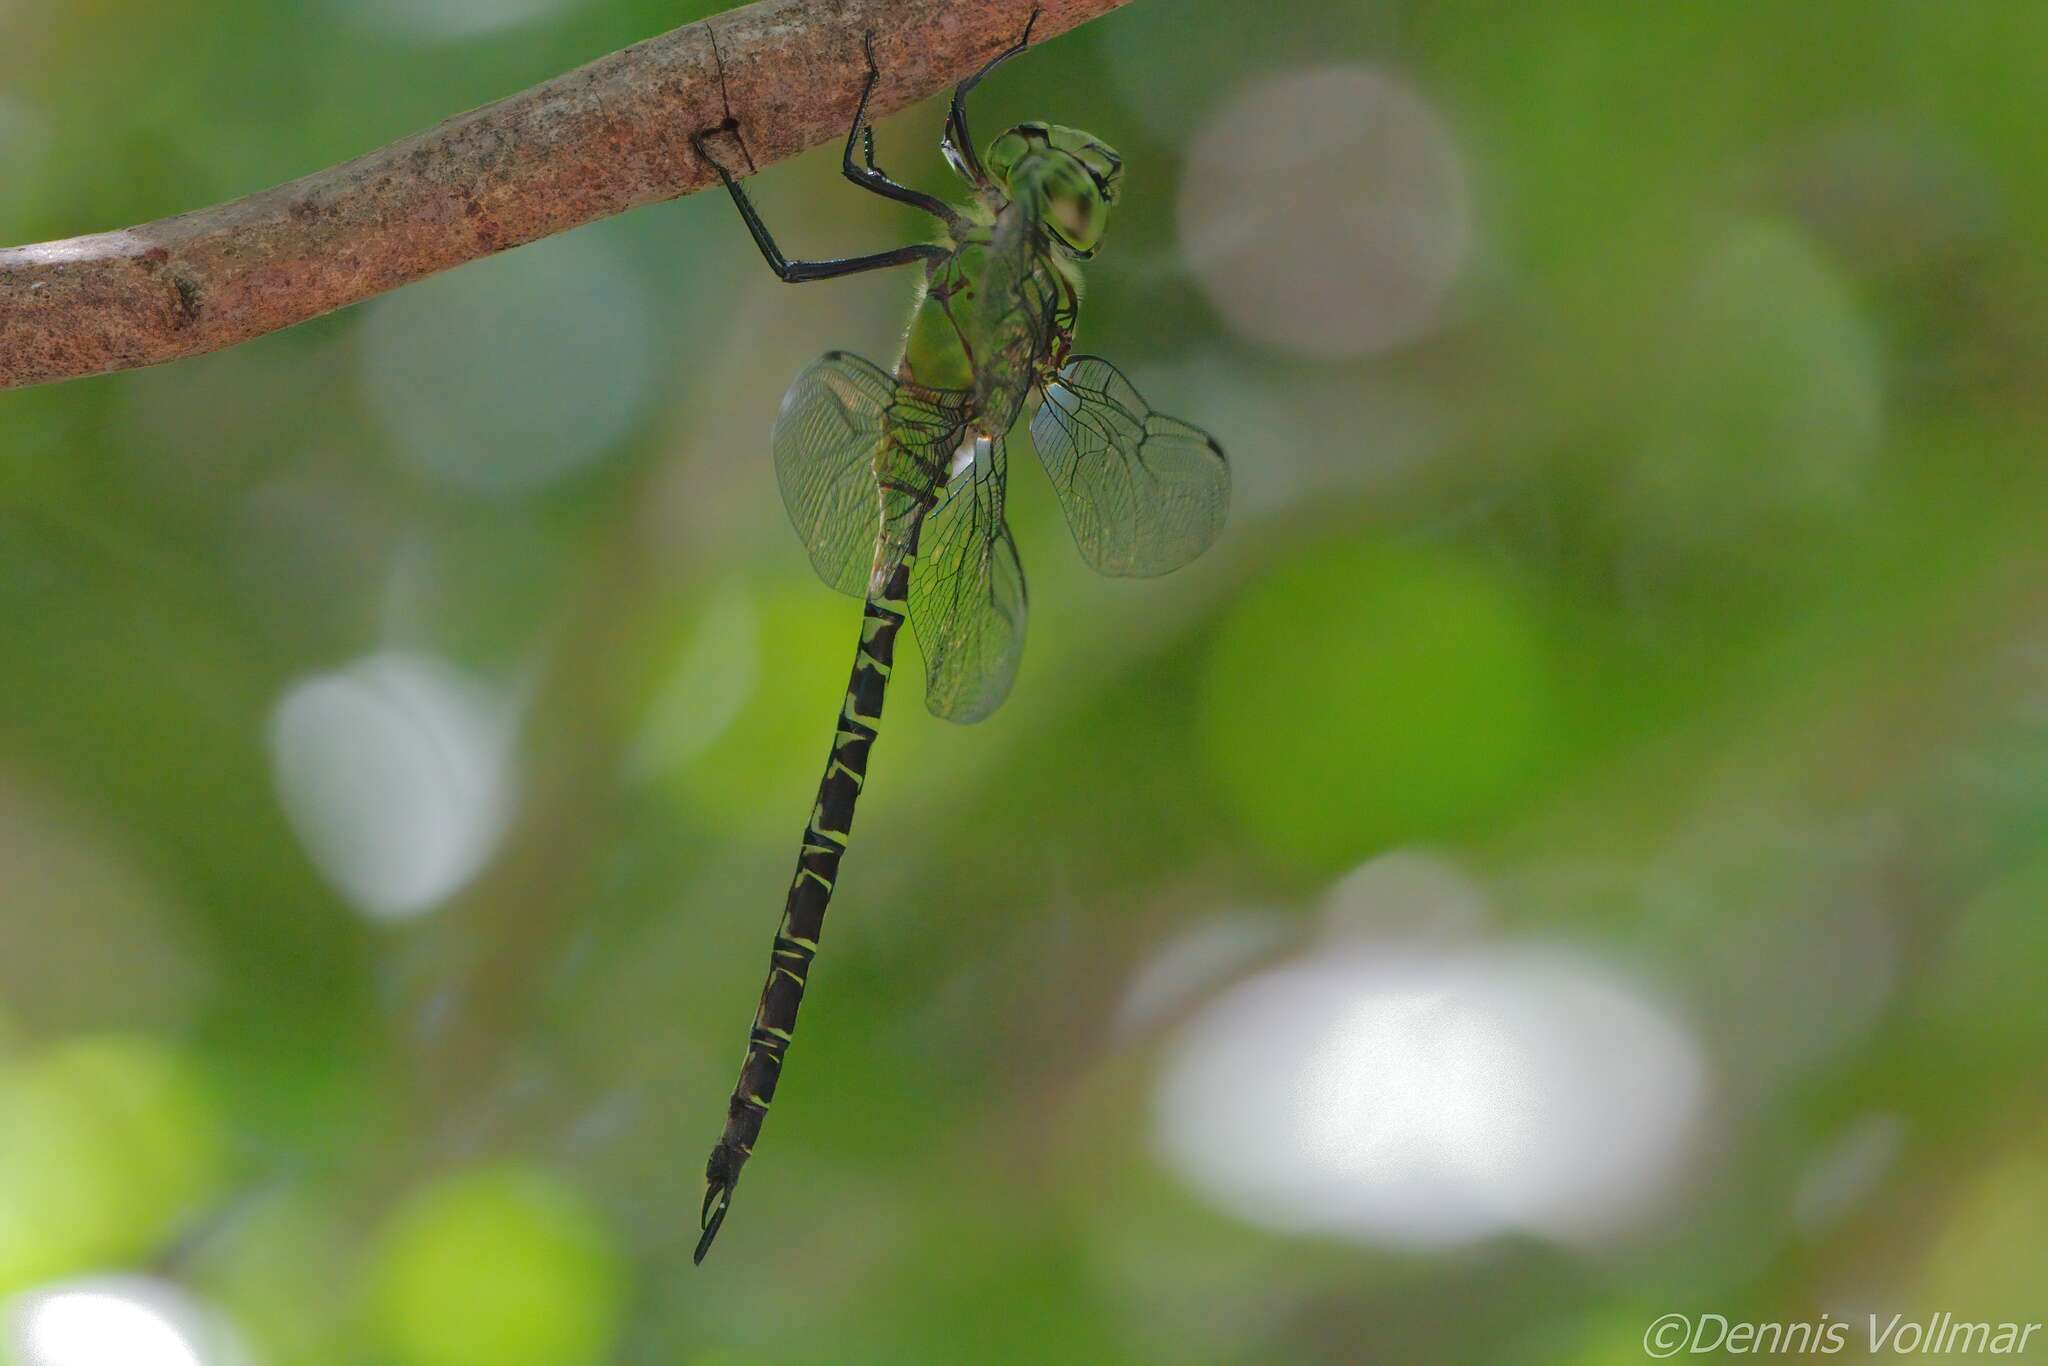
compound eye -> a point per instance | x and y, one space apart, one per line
1075 217
1003 155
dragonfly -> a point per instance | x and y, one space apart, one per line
895 481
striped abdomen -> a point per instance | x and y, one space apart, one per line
817 868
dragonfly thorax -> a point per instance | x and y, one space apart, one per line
1067 180
995 316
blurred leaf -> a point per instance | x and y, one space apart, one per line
502 1265
107 1146
1359 695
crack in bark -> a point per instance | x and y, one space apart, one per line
732 123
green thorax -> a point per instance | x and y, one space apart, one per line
994 316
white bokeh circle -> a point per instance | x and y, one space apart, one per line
1327 212
1428 1098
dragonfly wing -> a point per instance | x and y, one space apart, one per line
1144 493
967 601
826 438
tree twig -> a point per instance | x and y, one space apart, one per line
607 137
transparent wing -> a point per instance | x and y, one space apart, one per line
967 593
1144 493
826 438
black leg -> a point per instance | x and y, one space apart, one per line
871 177
959 143
798 272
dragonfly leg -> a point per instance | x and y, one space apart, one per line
958 143
872 177
798 272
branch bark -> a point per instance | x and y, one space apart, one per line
602 139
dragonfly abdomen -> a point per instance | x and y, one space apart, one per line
810 891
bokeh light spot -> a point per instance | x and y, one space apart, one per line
1327 212
115 1321
771 744
397 774
107 1145
1358 695
1775 407
513 372
708 681
505 1266
1428 1098
1991 1249
1190 963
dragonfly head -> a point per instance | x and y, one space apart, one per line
1068 178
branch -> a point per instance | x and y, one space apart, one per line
605 138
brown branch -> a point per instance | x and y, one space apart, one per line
605 138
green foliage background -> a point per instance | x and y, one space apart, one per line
1686 587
